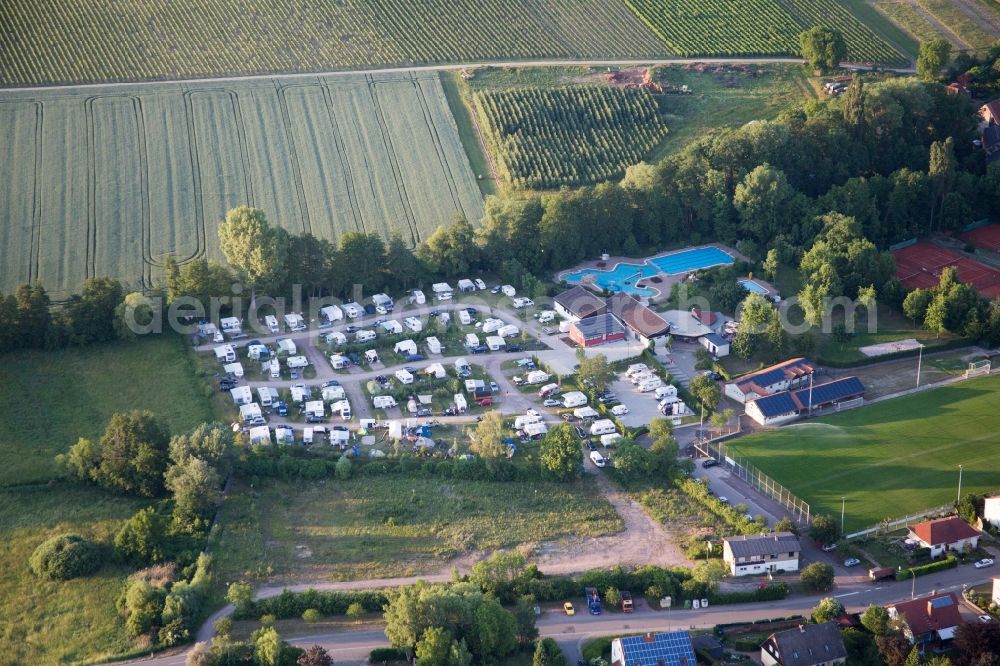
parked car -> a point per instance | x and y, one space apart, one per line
496 290
479 349
313 418
985 618
423 411
549 402
548 330
227 384
485 402
513 348
581 432
983 563
532 412
828 547
281 409
370 309
723 499
711 462
591 445
852 562
568 606
331 383
494 387
257 421
619 410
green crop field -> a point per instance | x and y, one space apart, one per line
47 41
110 182
757 27
387 526
547 138
889 459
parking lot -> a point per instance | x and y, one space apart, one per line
641 406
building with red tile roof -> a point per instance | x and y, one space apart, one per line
928 619
944 534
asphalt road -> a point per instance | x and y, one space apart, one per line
353 646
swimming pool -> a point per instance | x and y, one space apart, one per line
752 286
624 275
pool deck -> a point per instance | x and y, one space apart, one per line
662 288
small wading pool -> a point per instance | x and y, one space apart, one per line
624 276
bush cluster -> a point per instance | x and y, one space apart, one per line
947 563
294 604
65 556
773 592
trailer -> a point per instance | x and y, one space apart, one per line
882 573
627 606
593 600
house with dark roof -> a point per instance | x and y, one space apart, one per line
787 405
597 330
929 619
783 376
706 317
748 555
667 649
578 303
805 645
989 136
642 323
945 534
716 345
990 112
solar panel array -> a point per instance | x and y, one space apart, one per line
669 649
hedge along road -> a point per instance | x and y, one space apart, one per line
456 66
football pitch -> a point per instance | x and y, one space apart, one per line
889 459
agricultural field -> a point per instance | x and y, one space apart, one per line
975 24
547 138
913 20
89 40
757 27
889 459
391 526
109 183
72 621
71 393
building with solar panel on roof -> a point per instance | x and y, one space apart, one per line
668 649
785 406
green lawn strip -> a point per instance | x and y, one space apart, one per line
56 622
56 397
456 92
884 27
889 459
381 526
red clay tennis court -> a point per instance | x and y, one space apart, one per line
920 265
988 237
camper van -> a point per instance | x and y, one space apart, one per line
537 377
574 399
602 427
353 310
508 331
417 297
371 357
650 385
609 440
433 345
384 402
548 391
667 391
343 408
338 361
383 301
404 376
295 322
598 459
287 346
334 393
635 369
471 340
272 323
508 291
464 318
492 325
413 324
564 326
335 338
297 362
495 343
225 354
525 419
331 313
275 369
307 436
546 316
640 377
265 396
364 335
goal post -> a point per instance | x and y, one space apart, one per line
978 368
850 404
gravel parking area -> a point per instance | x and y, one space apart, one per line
641 406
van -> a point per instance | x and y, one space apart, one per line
609 440
650 385
275 369
417 297
635 369
492 325
598 459
297 361
666 391
464 318
640 377
537 377
272 323
307 436
574 399
546 317
384 402
548 390
265 396
364 335
404 376
602 427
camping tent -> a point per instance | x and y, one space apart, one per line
436 370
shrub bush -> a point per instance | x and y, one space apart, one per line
386 656
773 592
291 604
948 563
65 556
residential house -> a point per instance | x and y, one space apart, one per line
762 553
930 619
990 112
641 323
783 376
716 345
665 649
706 317
989 136
787 405
991 511
805 645
596 330
578 303
945 534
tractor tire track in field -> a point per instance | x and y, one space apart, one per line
300 192
438 148
91 240
147 252
36 197
199 203
393 161
341 148
241 134
368 168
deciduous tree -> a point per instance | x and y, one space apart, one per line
822 47
253 247
933 57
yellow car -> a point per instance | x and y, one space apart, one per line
568 607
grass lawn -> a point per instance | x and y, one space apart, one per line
889 459
389 526
60 396
57 622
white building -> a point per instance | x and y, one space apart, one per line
991 511
761 554
767 381
716 345
942 535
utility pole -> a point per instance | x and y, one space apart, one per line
810 393
913 586
959 485
920 358
843 503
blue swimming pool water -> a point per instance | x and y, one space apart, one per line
690 260
624 276
752 286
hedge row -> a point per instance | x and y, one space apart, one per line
290 604
948 563
774 592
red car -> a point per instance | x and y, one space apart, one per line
485 402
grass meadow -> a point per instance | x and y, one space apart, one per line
387 526
60 396
891 458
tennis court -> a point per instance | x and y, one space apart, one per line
987 238
920 266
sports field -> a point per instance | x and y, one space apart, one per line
107 183
889 459
920 266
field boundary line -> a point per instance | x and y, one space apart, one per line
201 246
145 214
36 197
